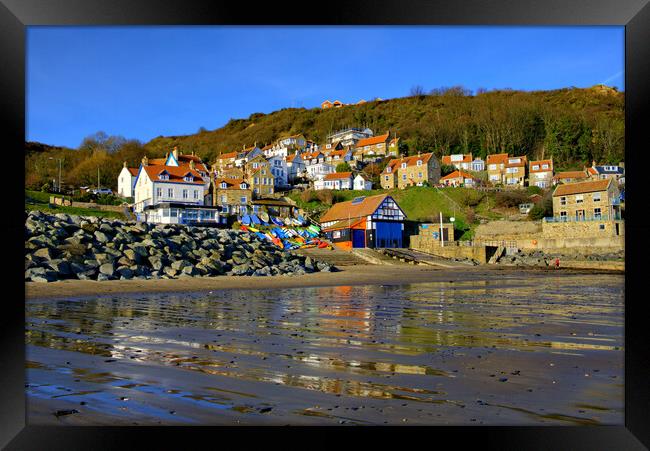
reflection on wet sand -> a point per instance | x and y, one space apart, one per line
522 341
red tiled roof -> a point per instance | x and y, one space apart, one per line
372 140
496 158
582 187
176 173
338 175
231 183
521 163
446 159
457 174
592 171
540 163
133 171
345 210
225 156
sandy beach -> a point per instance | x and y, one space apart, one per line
347 275
484 347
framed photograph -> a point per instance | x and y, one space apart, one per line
394 214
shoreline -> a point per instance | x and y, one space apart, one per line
347 275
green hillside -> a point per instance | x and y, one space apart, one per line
573 126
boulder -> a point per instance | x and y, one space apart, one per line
107 269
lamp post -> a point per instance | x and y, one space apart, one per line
60 160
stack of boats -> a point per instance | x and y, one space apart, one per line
286 233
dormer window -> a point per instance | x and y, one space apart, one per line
536 167
419 163
254 165
224 185
188 178
403 165
389 169
163 175
545 166
244 186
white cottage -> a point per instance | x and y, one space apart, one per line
361 183
126 181
336 180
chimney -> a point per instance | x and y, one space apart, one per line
125 164
145 161
593 163
192 164
175 152
192 153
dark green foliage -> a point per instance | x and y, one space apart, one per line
511 199
544 208
534 190
343 167
446 169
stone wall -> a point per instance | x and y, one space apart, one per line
582 229
449 250
508 230
119 208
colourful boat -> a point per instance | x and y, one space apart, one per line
244 228
264 216
253 229
277 221
246 220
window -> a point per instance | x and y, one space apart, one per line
243 186
562 201
579 199
224 185
379 146
563 214
184 194
224 199
545 166
254 165
386 177
419 163
403 165
419 174
596 212
243 199
163 176
263 172
196 194
158 192
601 226
388 169
170 192
404 177
535 167
596 197
256 181
492 167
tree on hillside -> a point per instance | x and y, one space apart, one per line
417 91
446 169
343 167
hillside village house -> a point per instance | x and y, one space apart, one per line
296 167
126 181
339 156
584 201
336 180
284 146
259 176
477 165
410 171
349 136
540 173
279 170
515 171
459 178
459 161
232 195
372 148
224 161
361 182
374 221
603 172
570 177
496 167
247 154
173 194
327 104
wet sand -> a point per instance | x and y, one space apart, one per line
347 275
490 348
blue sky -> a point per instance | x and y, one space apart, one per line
141 82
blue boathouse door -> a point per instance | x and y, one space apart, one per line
388 234
358 238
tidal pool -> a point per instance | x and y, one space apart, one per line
517 349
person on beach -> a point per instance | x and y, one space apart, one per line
557 262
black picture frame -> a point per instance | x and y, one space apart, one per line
15 15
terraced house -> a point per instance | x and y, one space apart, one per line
540 173
259 176
459 161
496 164
336 180
233 196
372 148
585 201
410 171
515 170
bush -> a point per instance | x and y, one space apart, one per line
511 199
307 196
471 198
343 167
534 190
543 209
108 199
84 196
446 169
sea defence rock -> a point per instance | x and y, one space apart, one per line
65 246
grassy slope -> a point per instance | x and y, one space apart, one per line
420 204
36 200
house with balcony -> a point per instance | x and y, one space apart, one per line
540 173
515 171
173 194
590 200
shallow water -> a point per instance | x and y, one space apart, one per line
515 349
